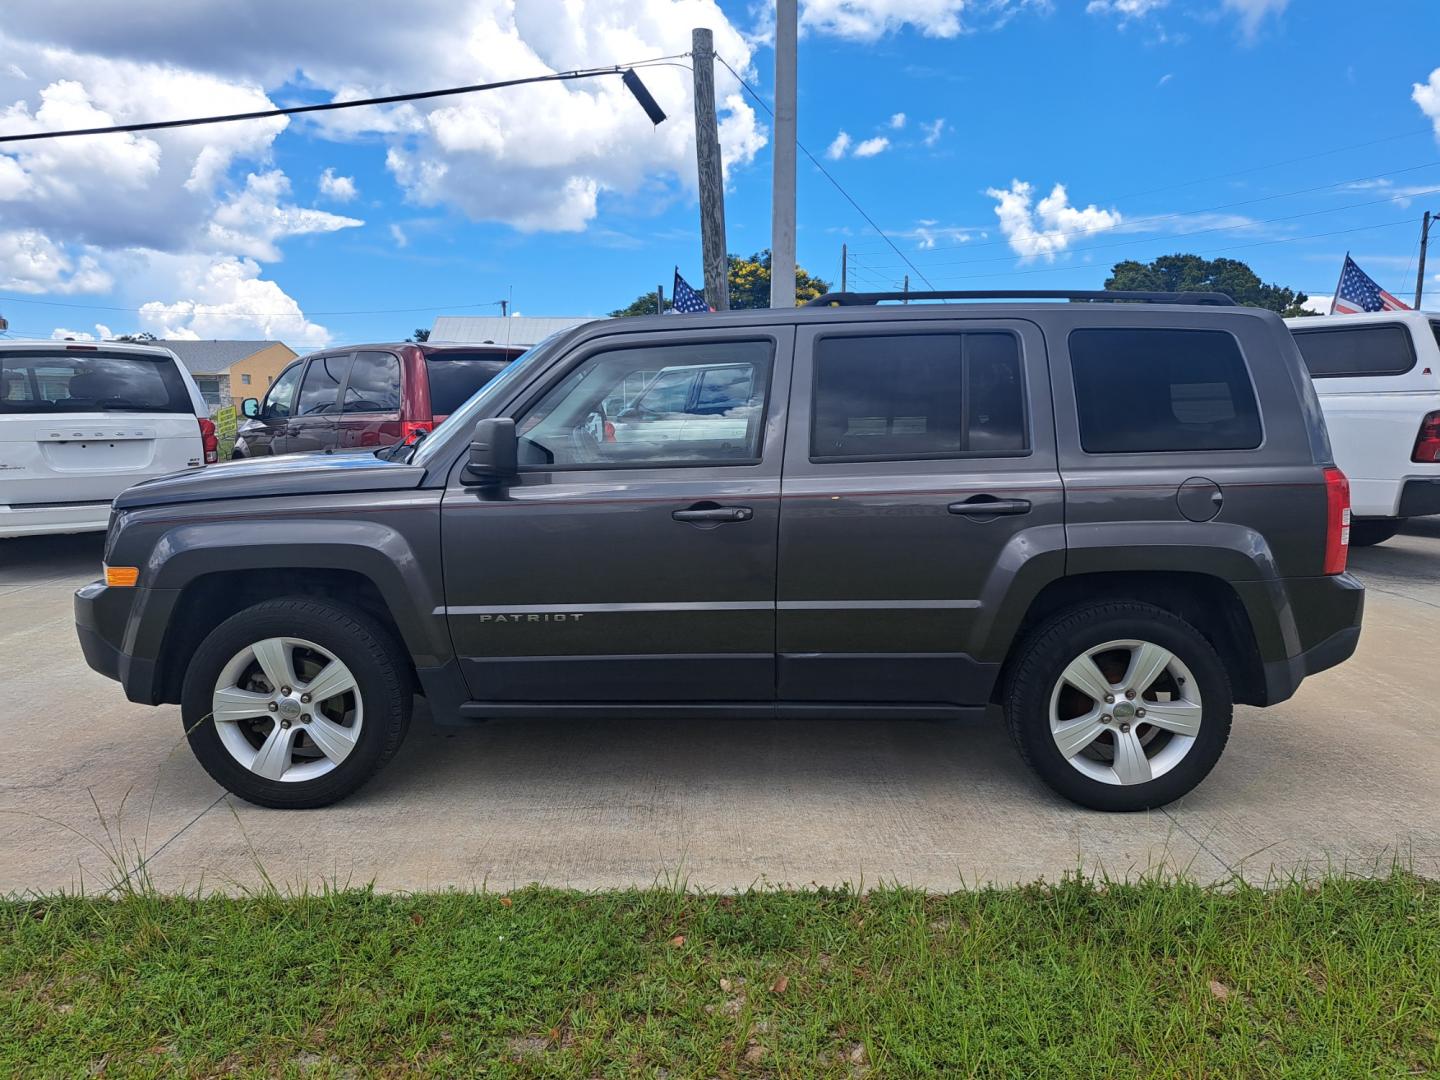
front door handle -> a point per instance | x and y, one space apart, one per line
713 515
989 506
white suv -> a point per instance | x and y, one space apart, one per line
80 423
1378 377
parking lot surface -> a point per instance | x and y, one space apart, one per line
1345 775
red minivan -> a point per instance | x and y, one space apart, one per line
365 396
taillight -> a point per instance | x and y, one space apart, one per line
1337 521
208 441
1427 443
412 432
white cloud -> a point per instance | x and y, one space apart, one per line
339 188
397 234
933 130
1165 79
102 333
867 20
1318 304
1427 96
838 146
1124 9
897 121
31 262
251 221
1254 12
870 147
1047 227
225 298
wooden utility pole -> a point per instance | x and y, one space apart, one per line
659 299
844 266
906 290
1424 241
782 207
710 173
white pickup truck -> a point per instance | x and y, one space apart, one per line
1378 377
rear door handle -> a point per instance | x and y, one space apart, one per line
714 515
989 506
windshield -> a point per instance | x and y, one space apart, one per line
52 382
466 415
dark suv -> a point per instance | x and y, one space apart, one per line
365 396
1115 520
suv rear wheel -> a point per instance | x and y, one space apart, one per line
296 703
1119 706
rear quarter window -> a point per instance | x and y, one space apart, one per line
1142 390
1357 351
71 382
454 379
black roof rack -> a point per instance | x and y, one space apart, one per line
859 299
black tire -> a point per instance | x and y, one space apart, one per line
1374 531
382 675
1052 646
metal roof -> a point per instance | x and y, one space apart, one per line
214 357
496 330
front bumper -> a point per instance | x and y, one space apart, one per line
103 623
1327 613
1420 498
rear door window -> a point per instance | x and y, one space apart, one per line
1140 390
70 382
374 384
454 378
1357 351
920 395
320 389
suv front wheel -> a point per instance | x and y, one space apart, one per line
1119 706
296 703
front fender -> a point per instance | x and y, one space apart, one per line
398 553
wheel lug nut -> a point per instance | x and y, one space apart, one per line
285 690
1106 718
273 706
284 723
1124 728
1139 712
305 699
1109 699
305 718
1130 694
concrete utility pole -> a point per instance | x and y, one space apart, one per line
1424 242
782 208
711 174
659 299
844 266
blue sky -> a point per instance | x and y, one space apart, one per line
1236 121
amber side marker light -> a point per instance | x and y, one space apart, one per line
122 577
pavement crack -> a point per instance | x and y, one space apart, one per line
1198 842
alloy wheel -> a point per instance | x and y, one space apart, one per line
1125 712
287 709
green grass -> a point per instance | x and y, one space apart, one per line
1334 977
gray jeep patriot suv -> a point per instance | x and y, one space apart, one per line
1112 519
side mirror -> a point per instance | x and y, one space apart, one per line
493 451
250 408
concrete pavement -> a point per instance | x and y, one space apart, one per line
1346 774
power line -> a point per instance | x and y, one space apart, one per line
826 173
254 314
329 106
1199 232
1210 251
1395 197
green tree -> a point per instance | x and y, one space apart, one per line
140 339
420 334
749 287
1191 273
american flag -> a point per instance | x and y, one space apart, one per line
684 299
1358 292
